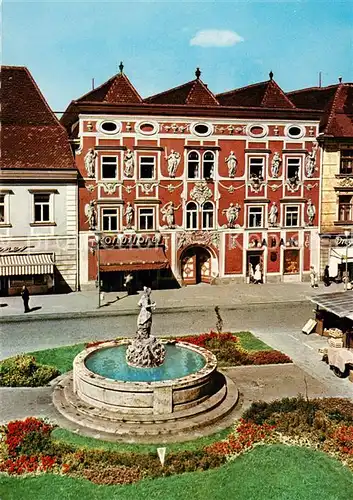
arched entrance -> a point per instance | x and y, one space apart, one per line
196 265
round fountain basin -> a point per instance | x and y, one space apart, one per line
102 378
111 363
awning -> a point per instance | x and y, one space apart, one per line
24 264
133 259
340 303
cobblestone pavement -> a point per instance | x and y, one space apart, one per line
198 297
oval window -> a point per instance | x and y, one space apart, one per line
109 127
295 131
201 129
257 130
147 128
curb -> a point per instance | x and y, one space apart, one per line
22 318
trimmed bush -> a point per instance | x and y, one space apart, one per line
24 371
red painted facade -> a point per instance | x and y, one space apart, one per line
199 241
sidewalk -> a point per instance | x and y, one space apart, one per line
200 297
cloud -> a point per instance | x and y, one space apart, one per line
216 38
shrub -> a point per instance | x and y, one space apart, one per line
259 411
24 371
27 437
113 475
268 358
337 409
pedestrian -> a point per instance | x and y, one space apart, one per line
25 298
129 284
257 274
327 281
251 273
313 277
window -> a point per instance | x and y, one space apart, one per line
110 219
147 128
110 127
293 168
257 130
147 167
291 261
255 216
146 219
193 165
256 168
345 208
346 165
294 131
201 129
207 215
191 215
291 216
109 167
2 208
208 165
41 207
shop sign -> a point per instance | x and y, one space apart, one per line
14 249
344 242
131 240
273 242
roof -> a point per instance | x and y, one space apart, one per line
31 135
313 97
339 303
193 93
264 94
117 89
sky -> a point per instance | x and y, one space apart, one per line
235 43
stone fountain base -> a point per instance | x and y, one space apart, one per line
145 411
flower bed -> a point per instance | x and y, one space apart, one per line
24 371
229 351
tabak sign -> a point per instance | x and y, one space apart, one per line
128 240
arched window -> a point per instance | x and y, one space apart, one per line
208 165
191 215
193 165
207 215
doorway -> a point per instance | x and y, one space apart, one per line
253 258
196 266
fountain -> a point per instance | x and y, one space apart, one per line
145 388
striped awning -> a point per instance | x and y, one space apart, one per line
24 264
338 303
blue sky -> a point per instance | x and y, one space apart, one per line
65 44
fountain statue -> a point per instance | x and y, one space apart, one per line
145 350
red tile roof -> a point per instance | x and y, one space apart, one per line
31 135
118 90
337 120
313 97
265 94
194 93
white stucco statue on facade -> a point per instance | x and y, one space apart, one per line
168 213
91 214
275 166
129 215
273 214
90 161
129 163
311 211
173 160
232 213
310 161
232 164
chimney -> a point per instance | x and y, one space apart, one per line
339 79
92 83
320 81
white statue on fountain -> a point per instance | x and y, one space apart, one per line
145 350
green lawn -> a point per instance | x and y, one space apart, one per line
267 473
62 357
78 441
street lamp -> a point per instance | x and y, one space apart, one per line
97 237
346 234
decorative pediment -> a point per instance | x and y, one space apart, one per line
200 192
187 238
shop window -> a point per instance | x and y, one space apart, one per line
191 215
208 165
2 209
346 163
291 262
255 217
291 216
109 167
293 168
147 167
41 207
193 165
146 219
256 168
207 215
110 219
345 208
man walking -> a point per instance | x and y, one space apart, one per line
25 298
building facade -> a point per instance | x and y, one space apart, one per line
38 192
195 187
336 141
